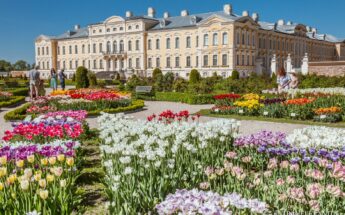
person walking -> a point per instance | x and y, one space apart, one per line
283 80
34 76
62 78
53 79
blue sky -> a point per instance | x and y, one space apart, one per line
21 21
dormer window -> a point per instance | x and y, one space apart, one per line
162 23
114 29
121 28
129 27
137 27
108 29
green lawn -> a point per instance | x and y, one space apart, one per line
207 112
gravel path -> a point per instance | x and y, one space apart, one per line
247 126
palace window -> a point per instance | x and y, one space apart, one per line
70 49
70 64
224 59
130 45
76 64
197 41
58 65
253 42
47 50
63 64
225 39
42 50
158 62
188 43
149 62
101 64
243 39
122 46
206 40
137 44
237 60
108 30
243 60
100 47
238 38
157 44
168 62
253 60
83 63
76 49
114 46
58 50
83 49
94 64
94 48
197 61
137 27
215 60
168 43
205 60
38 51
248 38
108 47
215 39
129 27
177 43
247 60
137 62
177 61
130 63
188 64
63 50
149 45
121 28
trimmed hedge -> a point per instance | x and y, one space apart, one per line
20 113
185 98
23 91
17 114
13 100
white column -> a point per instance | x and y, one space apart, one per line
274 65
305 62
288 64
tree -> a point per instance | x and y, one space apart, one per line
132 83
81 78
156 73
235 75
194 76
21 65
5 66
158 83
168 80
180 85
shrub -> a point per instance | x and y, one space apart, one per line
180 85
168 80
156 72
235 75
194 76
81 78
158 82
92 78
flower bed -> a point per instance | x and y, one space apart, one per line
299 173
147 160
317 107
38 165
8 99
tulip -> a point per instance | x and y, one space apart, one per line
30 158
70 161
43 194
24 184
63 183
28 173
44 161
1 186
3 160
11 179
61 157
37 176
52 160
204 185
3 171
50 178
42 183
20 163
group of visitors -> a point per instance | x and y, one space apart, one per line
37 84
54 79
287 81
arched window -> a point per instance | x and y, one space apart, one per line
157 44
188 42
158 62
100 47
108 47
122 46
215 39
130 45
168 43
75 49
115 46
206 40
83 48
137 44
177 42
94 48
225 39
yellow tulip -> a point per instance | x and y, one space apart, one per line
44 194
20 163
44 161
3 171
58 171
61 157
3 160
1 186
31 158
50 178
24 184
70 161
42 183
63 183
11 179
52 160
37 176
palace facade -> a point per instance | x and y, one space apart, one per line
211 42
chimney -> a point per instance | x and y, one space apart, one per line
245 13
129 14
289 23
227 8
151 12
76 27
280 22
184 13
255 17
166 15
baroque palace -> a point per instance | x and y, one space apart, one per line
211 42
